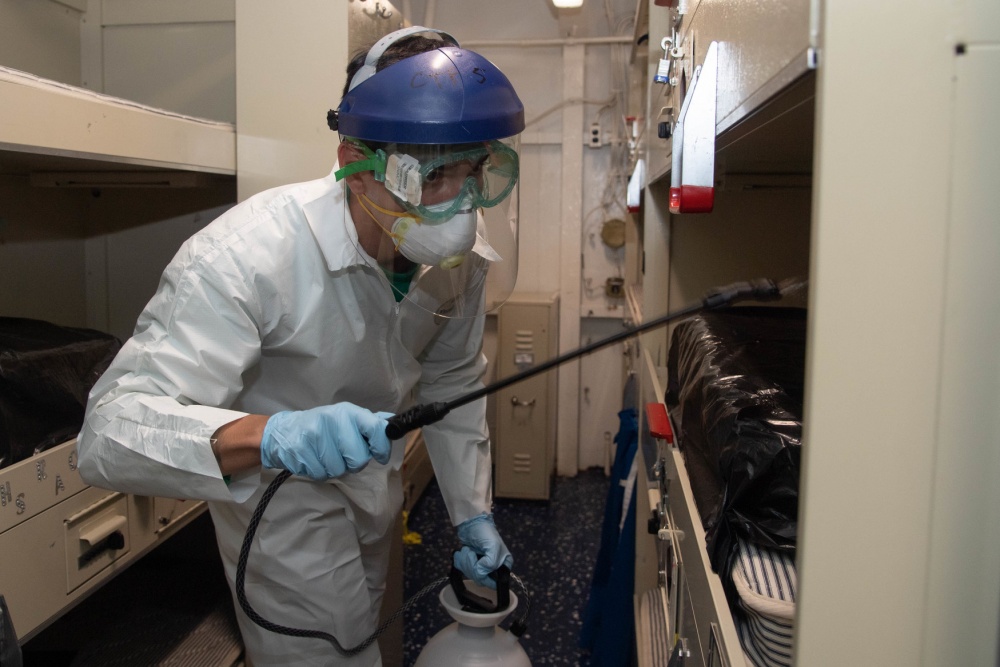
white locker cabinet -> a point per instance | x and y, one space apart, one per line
526 412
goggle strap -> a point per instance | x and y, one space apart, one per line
375 164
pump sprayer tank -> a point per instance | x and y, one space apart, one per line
475 638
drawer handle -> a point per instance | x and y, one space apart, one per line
515 401
93 535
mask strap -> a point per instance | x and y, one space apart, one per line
396 240
395 214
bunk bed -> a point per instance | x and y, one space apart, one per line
63 539
697 556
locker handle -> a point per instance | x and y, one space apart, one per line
515 401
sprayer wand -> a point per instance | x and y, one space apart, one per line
761 289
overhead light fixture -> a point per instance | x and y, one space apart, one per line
567 4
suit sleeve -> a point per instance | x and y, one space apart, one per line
150 417
459 444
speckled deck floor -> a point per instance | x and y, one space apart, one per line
555 546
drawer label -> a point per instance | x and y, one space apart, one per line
7 497
36 484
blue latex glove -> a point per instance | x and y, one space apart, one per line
325 442
482 550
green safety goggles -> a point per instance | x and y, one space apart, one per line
435 182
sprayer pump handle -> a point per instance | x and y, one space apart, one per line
476 603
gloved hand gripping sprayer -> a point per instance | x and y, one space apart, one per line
421 415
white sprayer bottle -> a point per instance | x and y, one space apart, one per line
475 637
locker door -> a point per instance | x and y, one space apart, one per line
526 411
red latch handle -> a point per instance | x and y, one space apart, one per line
659 424
692 199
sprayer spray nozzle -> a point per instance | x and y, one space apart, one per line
792 286
761 289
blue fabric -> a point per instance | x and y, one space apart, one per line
608 623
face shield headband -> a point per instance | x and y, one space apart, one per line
434 183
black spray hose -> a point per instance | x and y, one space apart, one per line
422 415
518 625
241 596
761 289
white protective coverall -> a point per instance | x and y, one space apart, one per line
273 307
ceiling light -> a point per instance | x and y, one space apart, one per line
567 3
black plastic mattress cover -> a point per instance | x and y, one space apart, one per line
735 387
46 372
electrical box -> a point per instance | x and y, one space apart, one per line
526 411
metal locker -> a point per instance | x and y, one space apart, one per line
526 411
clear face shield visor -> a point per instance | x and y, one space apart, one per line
449 216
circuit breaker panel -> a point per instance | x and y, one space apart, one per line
526 411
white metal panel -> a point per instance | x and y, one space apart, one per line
78 5
656 267
600 394
762 47
140 12
873 359
567 454
42 38
978 22
962 614
189 68
662 103
539 231
283 93
91 47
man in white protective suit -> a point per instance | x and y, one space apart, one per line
284 334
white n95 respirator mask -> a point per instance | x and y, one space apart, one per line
441 243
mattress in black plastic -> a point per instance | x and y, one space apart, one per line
46 372
735 392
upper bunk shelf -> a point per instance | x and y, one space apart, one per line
48 125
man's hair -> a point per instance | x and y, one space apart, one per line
404 48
